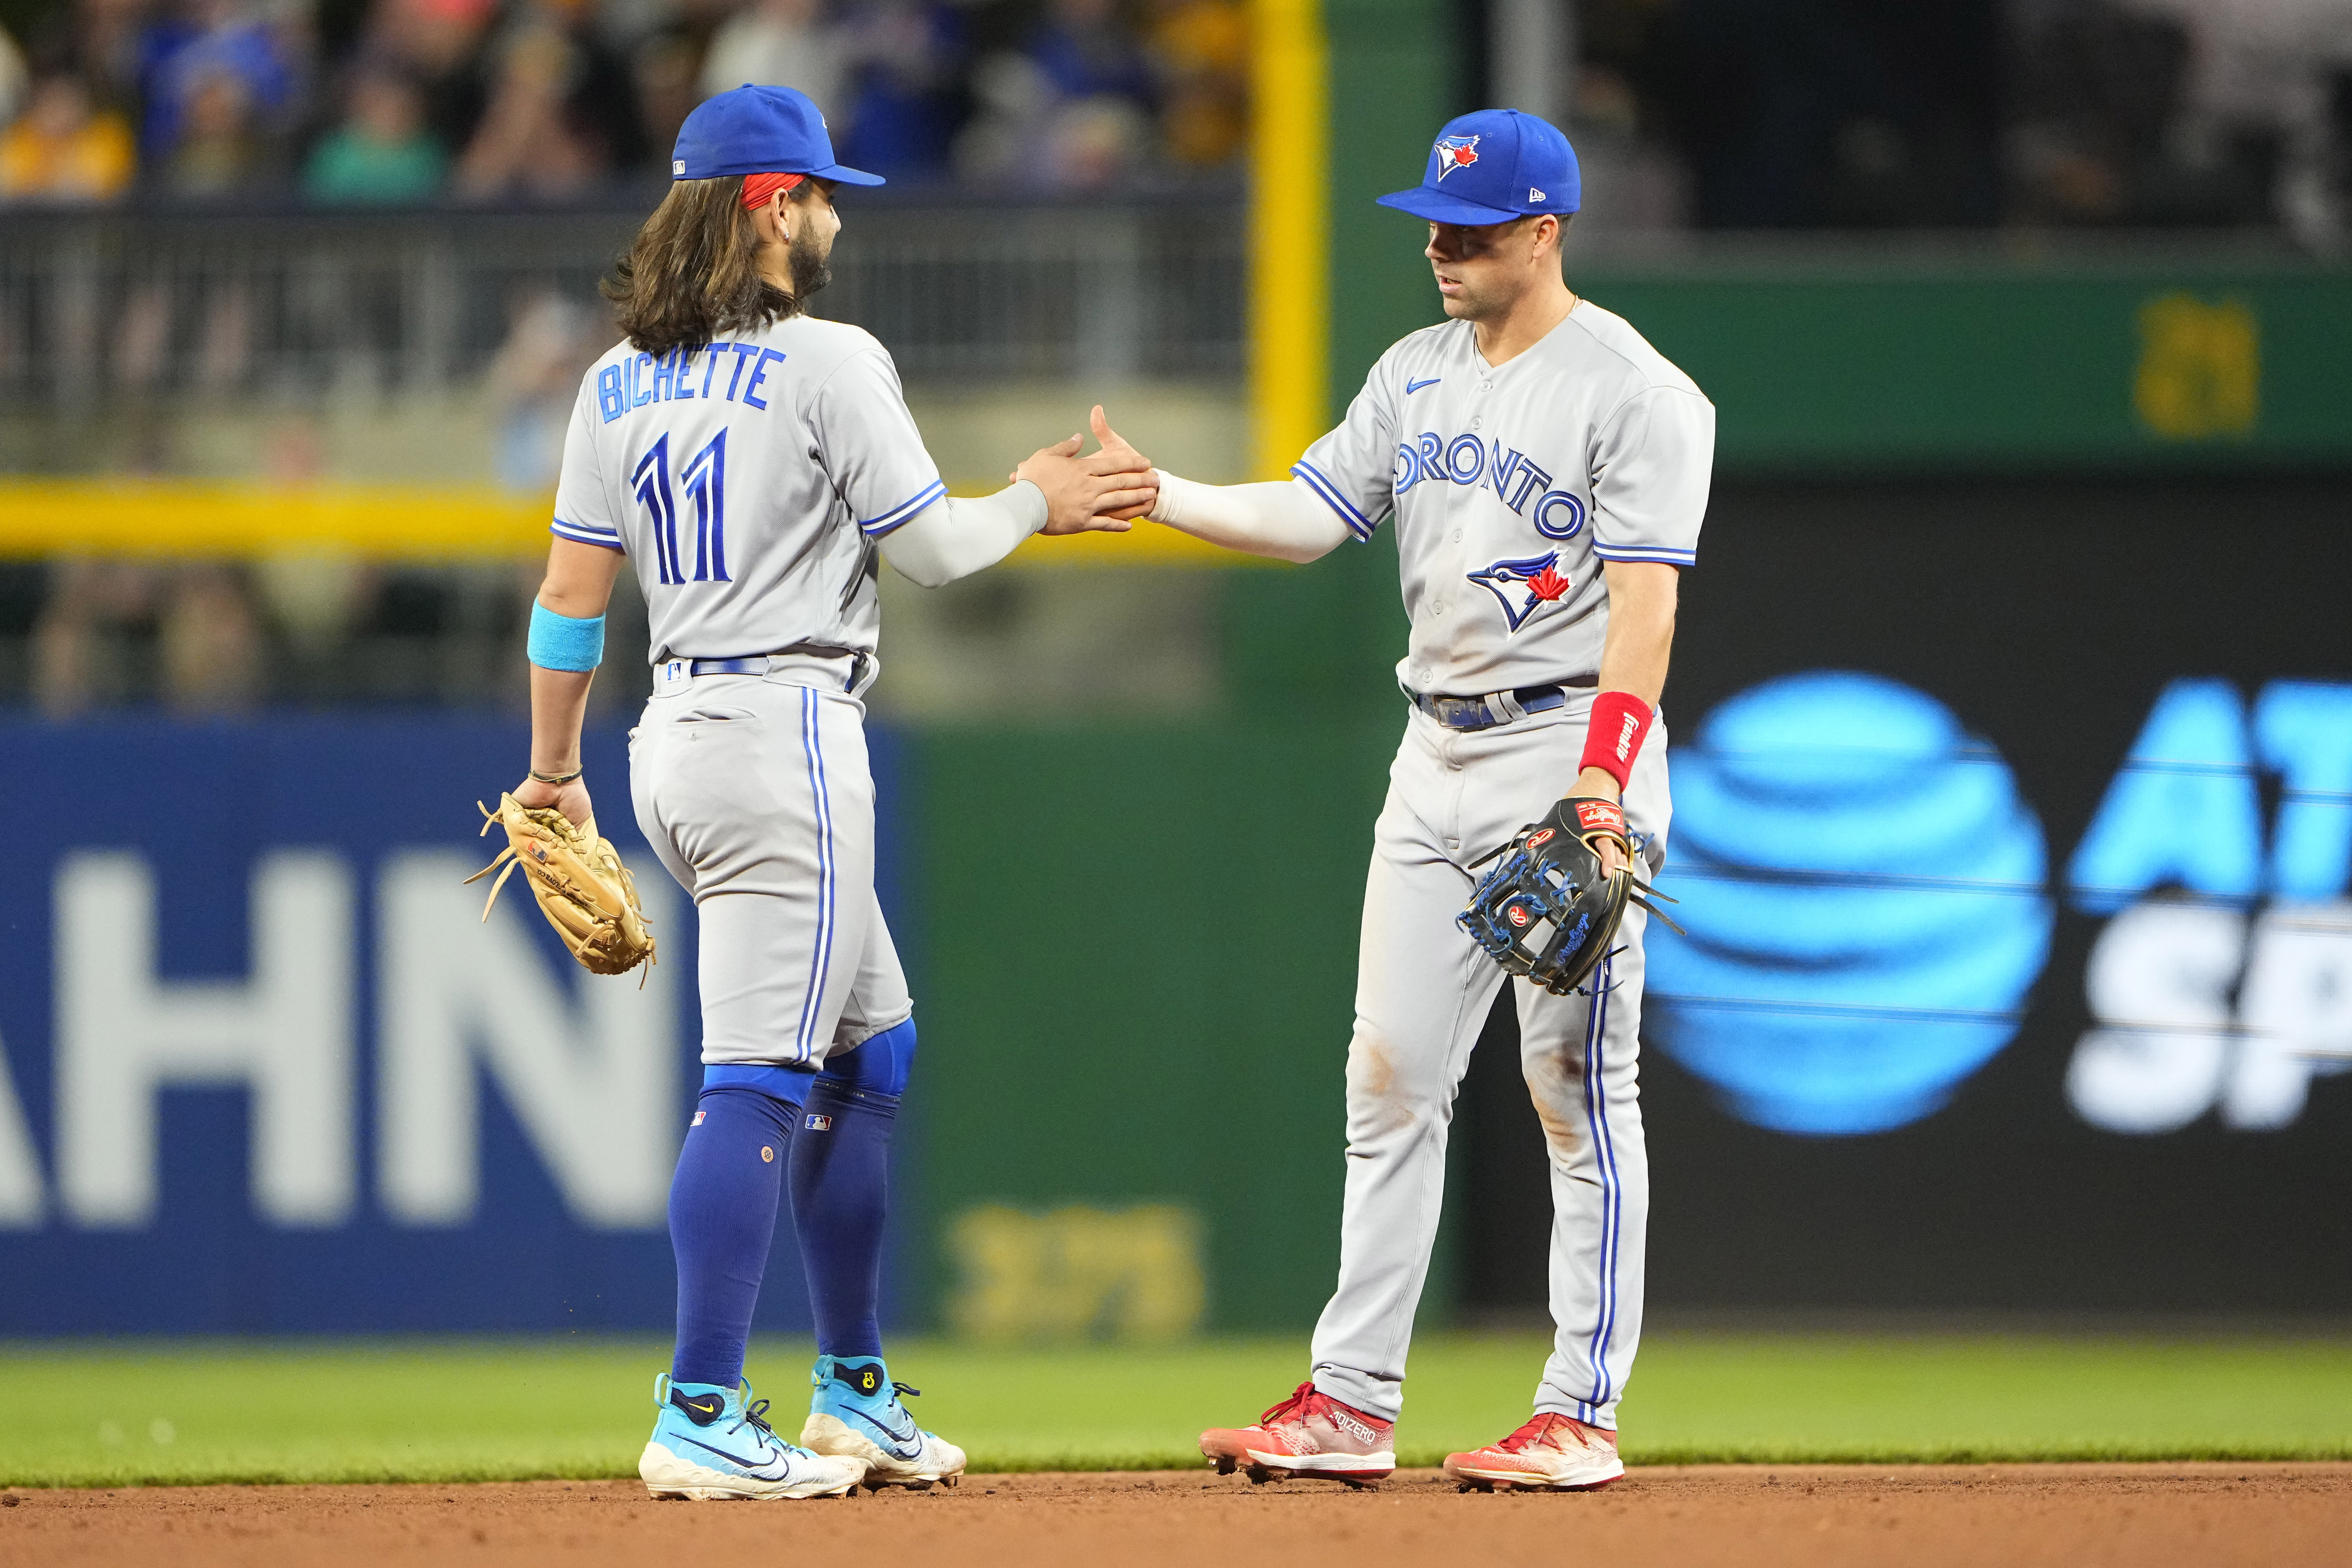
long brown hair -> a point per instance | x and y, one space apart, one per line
693 271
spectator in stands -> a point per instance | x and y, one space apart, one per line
562 113
220 146
65 149
666 67
533 380
1084 51
1069 110
779 42
15 80
439 44
246 70
1199 53
98 41
906 61
2273 74
382 152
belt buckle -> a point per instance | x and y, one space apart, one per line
1463 712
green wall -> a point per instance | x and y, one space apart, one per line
1846 362
1137 972
1396 66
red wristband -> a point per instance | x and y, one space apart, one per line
1620 720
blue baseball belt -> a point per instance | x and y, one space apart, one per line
1498 707
757 663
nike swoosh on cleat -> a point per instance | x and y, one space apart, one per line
896 1442
1412 386
752 1464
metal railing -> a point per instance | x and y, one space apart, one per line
98 307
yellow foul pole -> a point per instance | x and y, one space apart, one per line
1289 233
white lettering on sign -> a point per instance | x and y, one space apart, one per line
2170 1046
21 1201
284 1034
591 1073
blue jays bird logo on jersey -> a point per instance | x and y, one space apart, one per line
1455 151
1524 585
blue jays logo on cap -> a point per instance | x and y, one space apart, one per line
1495 166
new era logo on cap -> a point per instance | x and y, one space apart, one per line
677 167
1534 194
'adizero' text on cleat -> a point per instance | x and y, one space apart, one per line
856 1413
1308 1433
1551 1452
710 1446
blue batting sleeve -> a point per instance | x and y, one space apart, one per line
565 642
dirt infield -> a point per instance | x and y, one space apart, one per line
2146 1515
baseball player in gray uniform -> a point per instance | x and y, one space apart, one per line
755 464
1547 471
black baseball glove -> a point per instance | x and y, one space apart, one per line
1546 911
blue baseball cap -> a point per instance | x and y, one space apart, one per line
1491 168
759 130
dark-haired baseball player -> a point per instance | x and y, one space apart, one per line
755 465
1547 471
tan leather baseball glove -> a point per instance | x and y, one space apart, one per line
582 887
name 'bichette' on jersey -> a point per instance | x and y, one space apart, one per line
1511 484
749 478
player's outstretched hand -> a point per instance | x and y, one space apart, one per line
1119 452
571 799
1081 491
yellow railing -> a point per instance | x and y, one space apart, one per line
1290 241
159 517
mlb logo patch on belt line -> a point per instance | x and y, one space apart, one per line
817 1123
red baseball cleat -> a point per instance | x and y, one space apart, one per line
1308 1433
1551 1452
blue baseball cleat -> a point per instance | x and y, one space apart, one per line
855 1415
711 1447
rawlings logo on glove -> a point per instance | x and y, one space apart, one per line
582 887
1547 912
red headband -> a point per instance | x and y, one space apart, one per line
757 188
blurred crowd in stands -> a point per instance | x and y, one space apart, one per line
400 101
1803 114
1972 114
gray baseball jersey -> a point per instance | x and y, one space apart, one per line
1510 483
749 480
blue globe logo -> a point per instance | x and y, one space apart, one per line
1866 898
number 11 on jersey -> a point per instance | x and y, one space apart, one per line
705 478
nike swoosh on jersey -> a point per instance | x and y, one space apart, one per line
1412 387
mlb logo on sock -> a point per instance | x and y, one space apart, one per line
819 1123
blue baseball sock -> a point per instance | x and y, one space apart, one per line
841 1188
722 1216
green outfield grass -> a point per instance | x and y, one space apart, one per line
118 1413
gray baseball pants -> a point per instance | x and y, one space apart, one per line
1422 992
756 793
